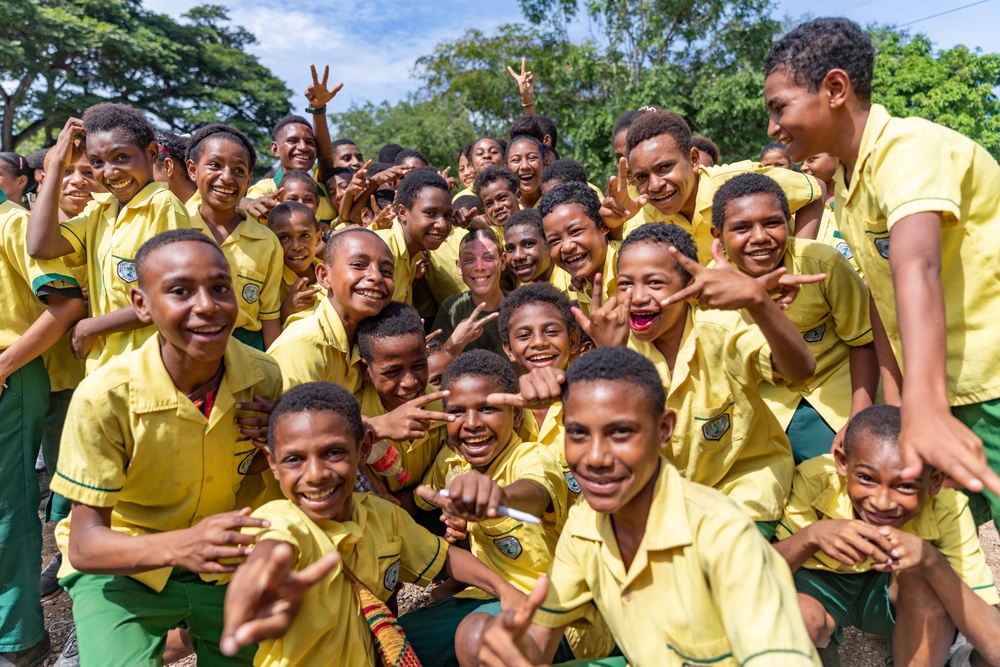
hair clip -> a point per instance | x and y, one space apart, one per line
163 149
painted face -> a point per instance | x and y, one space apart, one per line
316 462
539 337
776 158
120 166
399 370
527 255
348 155
485 152
797 117
304 193
428 222
480 430
78 187
498 201
612 446
222 173
823 166
295 147
755 233
525 159
359 276
187 292
651 273
880 494
663 172
576 244
298 236
466 173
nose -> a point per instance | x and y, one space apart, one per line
654 183
203 302
772 128
598 454
316 472
882 500
471 420
758 234
409 382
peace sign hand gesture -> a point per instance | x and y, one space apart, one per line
468 330
619 206
525 83
317 93
608 323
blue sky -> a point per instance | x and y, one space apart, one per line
371 45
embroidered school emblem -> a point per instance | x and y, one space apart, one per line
247 461
509 546
815 335
882 245
126 270
845 250
571 482
391 577
716 428
251 293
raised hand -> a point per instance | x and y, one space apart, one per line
619 206
472 496
608 323
261 206
410 420
383 217
505 641
450 180
301 297
464 217
786 286
203 547
70 145
265 595
317 93
468 330
539 388
525 83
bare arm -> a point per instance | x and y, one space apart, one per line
89 328
463 566
46 331
863 362
270 329
790 355
808 217
891 376
44 239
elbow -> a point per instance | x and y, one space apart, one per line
79 559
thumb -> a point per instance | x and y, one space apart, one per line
719 255
279 193
300 284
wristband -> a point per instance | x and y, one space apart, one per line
314 111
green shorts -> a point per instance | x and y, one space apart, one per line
767 529
854 600
809 433
254 339
121 622
984 420
431 630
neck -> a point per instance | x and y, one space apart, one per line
629 521
669 342
491 300
309 273
846 144
688 209
531 198
222 222
546 275
187 373
350 324
184 190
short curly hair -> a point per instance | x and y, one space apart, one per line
565 171
317 397
572 193
494 173
662 233
168 238
746 185
812 49
618 364
111 116
228 132
656 123
395 321
535 293
482 364
416 182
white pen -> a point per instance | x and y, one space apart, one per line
507 511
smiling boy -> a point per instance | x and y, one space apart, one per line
528 257
645 536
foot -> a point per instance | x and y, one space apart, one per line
70 655
29 657
50 578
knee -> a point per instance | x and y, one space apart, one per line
819 623
467 638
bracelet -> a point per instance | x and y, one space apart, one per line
528 105
314 111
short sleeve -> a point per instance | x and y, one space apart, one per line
800 189
539 465
270 297
569 592
959 544
748 354
798 512
301 360
434 478
849 298
168 213
423 554
265 186
74 230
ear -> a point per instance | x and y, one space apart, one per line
152 151
365 445
22 182
518 418
715 232
141 305
323 276
508 352
365 368
574 343
517 196
271 463
937 480
458 267
547 140
837 86
668 420
274 148
695 157
192 170
840 459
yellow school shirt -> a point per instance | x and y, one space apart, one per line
800 189
563 281
551 434
381 545
257 262
442 267
833 316
819 492
325 212
462 193
907 166
65 370
135 443
830 235
415 455
703 588
316 348
725 436
288 280
21 276
105 238
404 266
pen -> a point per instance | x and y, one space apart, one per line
507 511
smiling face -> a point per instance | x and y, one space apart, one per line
316 461
776 158
359 276
486 152
222 173
299 237
527 255
348 155
78 187
336 186
120 166
304 193
612 445
525 160
797 117
11 184
620 145
428 222
755 233
479 264
576 244
437 361
823 166
466 173
498 201
480 430
399 370
187 293
539 337
651 273
295 147
664 173
880 494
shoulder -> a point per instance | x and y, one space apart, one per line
113 376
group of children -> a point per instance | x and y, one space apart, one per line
660 423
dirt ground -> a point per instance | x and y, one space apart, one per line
858 650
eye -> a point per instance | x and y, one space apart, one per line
387 273
178 291
221 288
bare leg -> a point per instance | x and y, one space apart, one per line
924 632
467 639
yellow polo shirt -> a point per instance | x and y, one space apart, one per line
135 443
819 492
105 238
703 588
907 166
316 348
416 455
829 234
552 435
21 276
800 189
404 266
257 263
833 316
325 213
288 280
562 280
442 266
725 436
381 545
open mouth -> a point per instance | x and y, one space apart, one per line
642 320
542 359
120 185
477 445
371 295
600 486
223 191
209 332
77 194
576 260
879 520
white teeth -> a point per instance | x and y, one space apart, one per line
208 330
370 294
322 495
121 184
477 441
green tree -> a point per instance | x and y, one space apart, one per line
183 74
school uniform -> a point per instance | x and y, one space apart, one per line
316 348
551 433
288 280
442 276
325 213
105 238
829 234
404 266
562 280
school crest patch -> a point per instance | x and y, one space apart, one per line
845 249
251 293
882 245
126 270
716 428
509 546
247 461
571 482
391 577
815 334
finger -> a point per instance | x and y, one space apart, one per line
693 267
326 74
311 291
524 610
475 312
621 180
432 335
444 172
801 279
488 318
582 319
258 629
431 496
626 303
502 400
512 72
427 399
597 299
278 194
689 292
336 89
374 204
315 573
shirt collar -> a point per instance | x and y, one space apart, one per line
336 332
878 119
143 197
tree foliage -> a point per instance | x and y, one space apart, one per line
183 74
